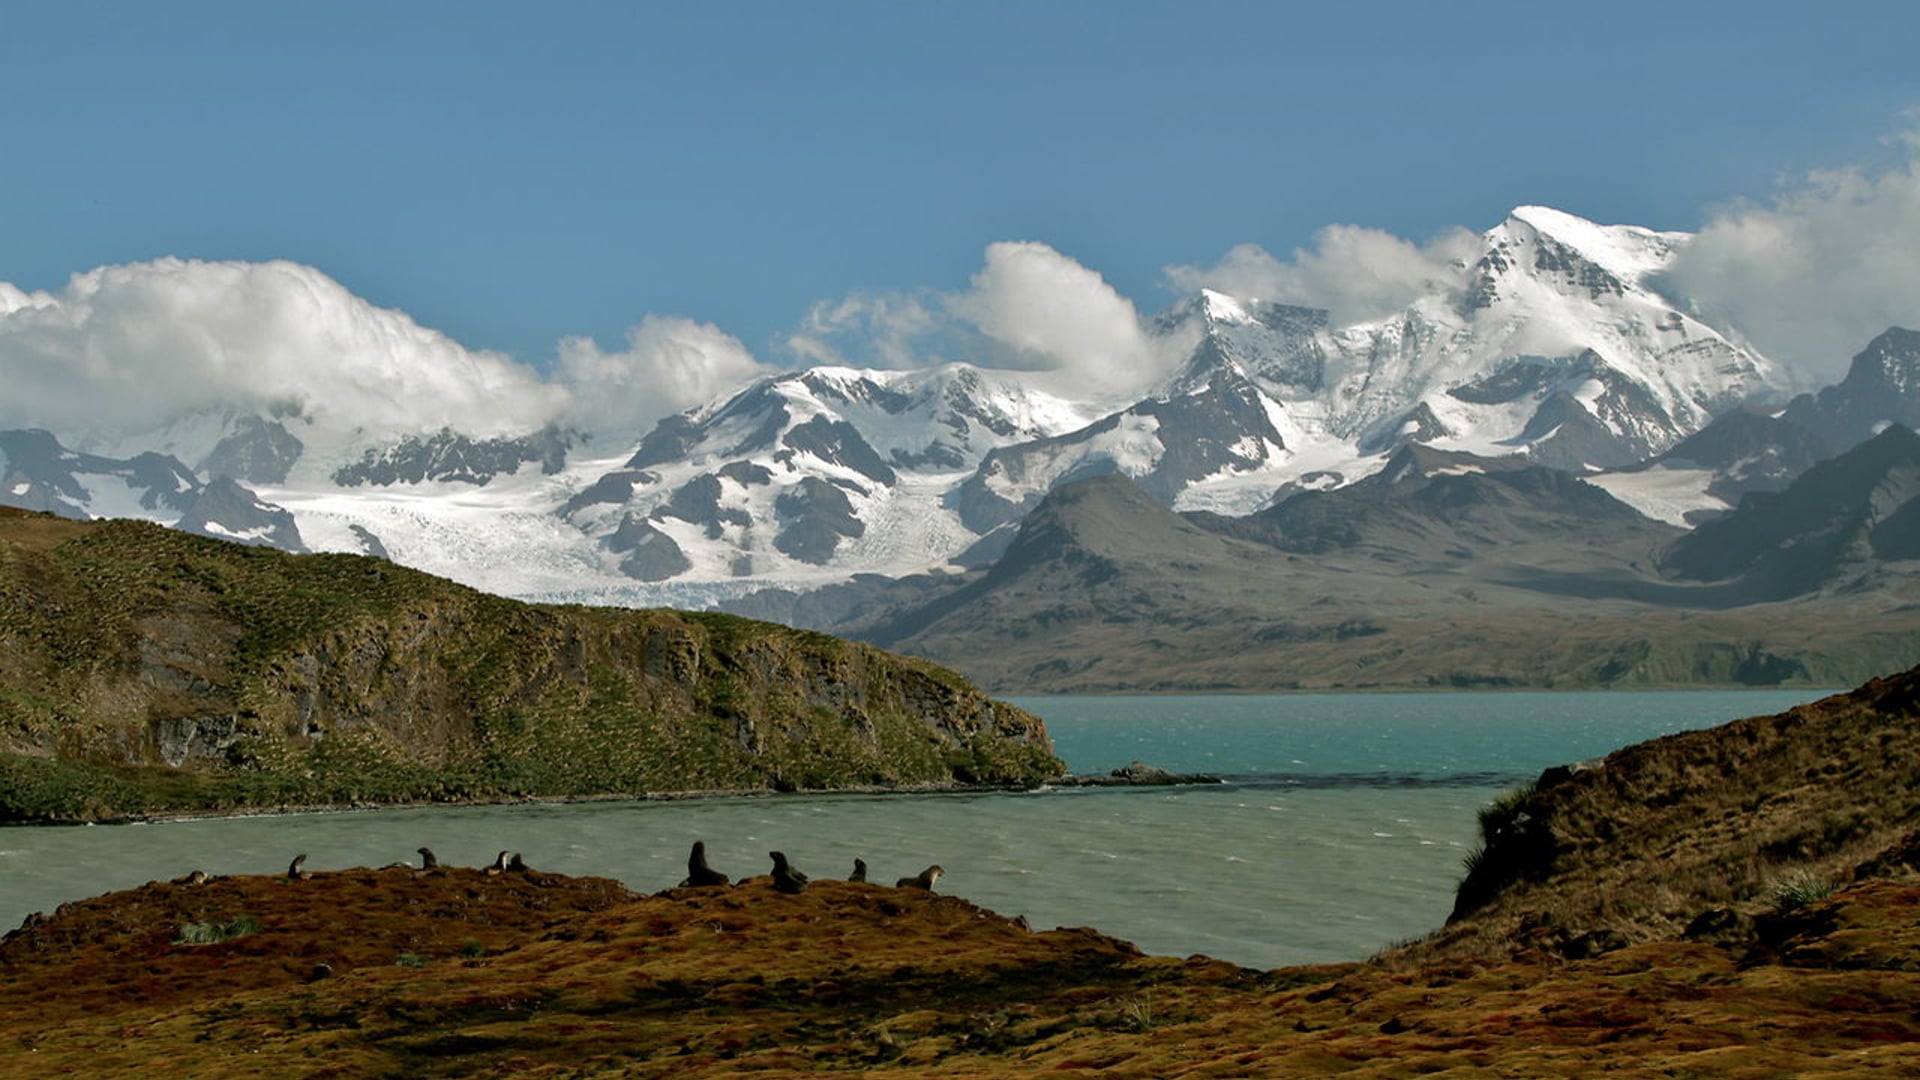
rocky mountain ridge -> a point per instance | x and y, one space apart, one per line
1559 346
1443 569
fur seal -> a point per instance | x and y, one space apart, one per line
699 874
517 864
294 871
859 871
923 880
499 864
786 879
428 861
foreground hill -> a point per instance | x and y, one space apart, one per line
143 670
1736 902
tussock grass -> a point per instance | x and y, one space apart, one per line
214 931
1751 816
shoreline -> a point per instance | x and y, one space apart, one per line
1070 781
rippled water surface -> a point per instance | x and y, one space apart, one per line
1341 828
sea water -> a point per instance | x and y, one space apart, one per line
1340 828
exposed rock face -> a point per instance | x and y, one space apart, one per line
1280 343
450 456
226 511
1163 445
324 679
651 554
698 501
370 544
41 474
1882 386
817 515
837 442
257 451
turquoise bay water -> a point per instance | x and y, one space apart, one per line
1340 831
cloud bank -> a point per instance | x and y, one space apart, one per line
122 348
127 349
1355 273
1816 274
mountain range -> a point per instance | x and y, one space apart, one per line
1561 416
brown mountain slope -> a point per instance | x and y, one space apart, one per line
144 670
1506 578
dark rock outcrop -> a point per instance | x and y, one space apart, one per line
448 455
1882 386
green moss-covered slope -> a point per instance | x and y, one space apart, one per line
144 670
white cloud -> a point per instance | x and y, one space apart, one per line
1355 273
669 364
889 330
1811 278
127 348
1028 308
1051 313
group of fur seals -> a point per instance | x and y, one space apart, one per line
505 862
786 877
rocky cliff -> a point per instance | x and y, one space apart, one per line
143 670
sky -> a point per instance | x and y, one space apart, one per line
551 195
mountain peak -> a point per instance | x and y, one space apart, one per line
1628 251
1219 307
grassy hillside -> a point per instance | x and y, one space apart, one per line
1704 832
144 670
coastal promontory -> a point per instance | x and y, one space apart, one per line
147 671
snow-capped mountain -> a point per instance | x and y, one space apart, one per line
1556 345
1554 341
814 475
38 473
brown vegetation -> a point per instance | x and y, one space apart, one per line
458 973
1671 917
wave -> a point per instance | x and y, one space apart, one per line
1321 781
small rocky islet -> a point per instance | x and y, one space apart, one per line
1735 902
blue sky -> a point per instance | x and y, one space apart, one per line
514 174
